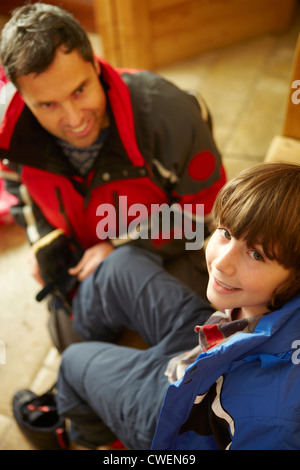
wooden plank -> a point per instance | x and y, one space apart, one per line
291 126
134 31
158 4
230 15
152 33
81 9
107 27
199 25
125 31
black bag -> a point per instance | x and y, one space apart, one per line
39 421
55 254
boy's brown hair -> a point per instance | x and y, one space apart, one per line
262 205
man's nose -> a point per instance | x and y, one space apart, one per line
72 115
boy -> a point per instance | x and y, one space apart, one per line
238 388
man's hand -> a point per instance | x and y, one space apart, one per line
34 267
90 260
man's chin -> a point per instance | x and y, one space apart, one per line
81 142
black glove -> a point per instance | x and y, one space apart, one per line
55 254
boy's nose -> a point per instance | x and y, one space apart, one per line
225 262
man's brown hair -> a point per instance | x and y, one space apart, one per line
30 39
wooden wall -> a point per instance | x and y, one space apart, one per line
81 9
152 33
291 126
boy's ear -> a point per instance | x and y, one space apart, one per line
97 66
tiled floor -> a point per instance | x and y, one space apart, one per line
246 88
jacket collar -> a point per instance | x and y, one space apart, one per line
273 336
20 130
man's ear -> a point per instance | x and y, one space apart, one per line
97 66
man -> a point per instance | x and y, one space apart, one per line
79 138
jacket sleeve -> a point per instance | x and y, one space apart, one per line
25 212
185 147
174 133
266 433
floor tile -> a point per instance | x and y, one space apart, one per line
14 439
23 321
5 423
262 118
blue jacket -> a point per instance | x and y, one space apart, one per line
242 394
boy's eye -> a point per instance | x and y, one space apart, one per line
256 255
225 233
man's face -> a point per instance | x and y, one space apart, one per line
67 99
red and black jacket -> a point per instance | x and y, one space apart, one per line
160 150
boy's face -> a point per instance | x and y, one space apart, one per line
67 99
240 276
